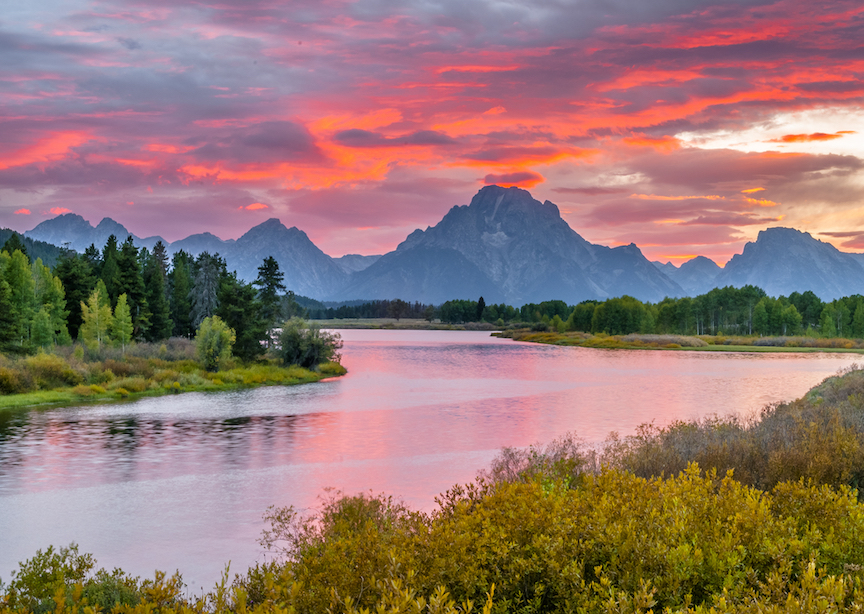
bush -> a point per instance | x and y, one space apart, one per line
306 345
213 343
51 371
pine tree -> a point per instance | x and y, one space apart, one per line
13 243
205 289
241 310
156 265
180 288
110 269
269 283
75 274
131 283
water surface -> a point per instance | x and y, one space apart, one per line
182 481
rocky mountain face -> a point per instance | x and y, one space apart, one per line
696 276
785 260
518 248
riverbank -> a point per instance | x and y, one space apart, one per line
75 378
701 343
720 515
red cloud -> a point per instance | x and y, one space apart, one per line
255 207
60 210
22 212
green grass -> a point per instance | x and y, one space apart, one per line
703 343
170 381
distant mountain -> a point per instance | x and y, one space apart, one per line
76 232
785 260
308 270
506 246
351 263
696 276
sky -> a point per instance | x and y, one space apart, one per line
683 126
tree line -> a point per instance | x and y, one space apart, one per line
731 311
123 294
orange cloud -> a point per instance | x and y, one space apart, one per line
664 144
808 138
524 179
23 212
60 210
255 207
752 190
50 147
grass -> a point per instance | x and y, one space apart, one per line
702 343
74 377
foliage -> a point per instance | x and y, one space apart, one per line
213 343
304 344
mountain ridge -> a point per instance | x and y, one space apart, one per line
506 246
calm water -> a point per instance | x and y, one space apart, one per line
182 482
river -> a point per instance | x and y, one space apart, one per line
181 482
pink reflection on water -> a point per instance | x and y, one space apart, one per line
183 481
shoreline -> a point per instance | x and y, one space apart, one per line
704 343
221 381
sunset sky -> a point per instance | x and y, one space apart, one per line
682 126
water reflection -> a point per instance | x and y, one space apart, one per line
183 481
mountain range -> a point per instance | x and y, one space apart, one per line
507 247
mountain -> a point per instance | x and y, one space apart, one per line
351 263
507 246
79 234
35 249
308 270
696 276
785 260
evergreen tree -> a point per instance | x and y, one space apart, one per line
180 289
75 274
241 310
51 297
110 270
131 283
481 305
122 328
161 325
269 283
205 289
13 243
94 258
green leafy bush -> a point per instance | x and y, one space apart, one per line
304 344
213 343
